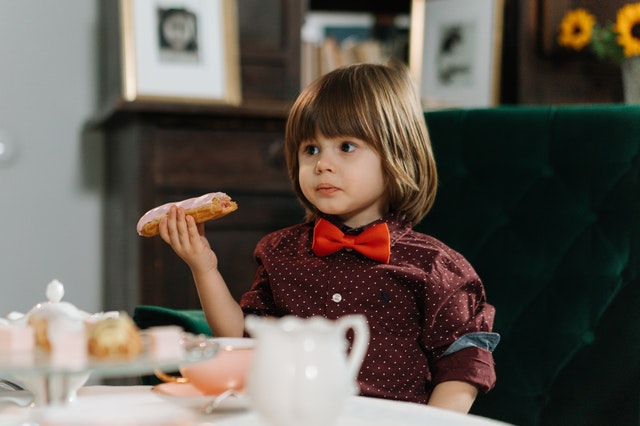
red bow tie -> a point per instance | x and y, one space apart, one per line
373 242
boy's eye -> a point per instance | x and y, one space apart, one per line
310 149
348 147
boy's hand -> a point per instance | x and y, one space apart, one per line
187 239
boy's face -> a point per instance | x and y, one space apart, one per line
343 177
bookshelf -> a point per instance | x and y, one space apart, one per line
331 39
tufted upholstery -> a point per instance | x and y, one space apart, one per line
545 203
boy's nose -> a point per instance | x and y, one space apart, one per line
323 165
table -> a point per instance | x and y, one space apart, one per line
139 406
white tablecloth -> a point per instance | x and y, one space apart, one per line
139 406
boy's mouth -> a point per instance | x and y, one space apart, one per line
325 188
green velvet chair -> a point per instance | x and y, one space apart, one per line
545 203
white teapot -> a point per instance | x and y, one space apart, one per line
301 373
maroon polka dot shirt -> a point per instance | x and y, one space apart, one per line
417 306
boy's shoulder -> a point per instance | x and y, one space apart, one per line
403 233
417 237
415 241
293 232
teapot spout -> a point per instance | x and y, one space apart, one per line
255 325
252 323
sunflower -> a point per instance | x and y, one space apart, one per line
576 29
628 28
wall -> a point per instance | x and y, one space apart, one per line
50 214
563 76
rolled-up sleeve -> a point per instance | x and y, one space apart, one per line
473 365
458 335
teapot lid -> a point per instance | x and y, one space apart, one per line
55 291
53 306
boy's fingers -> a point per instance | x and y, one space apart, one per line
162 229
201 229
194 230
189 224
172 226
182 226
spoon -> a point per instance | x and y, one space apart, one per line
211 406
23 398
11 392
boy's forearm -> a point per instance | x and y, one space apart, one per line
223 313
454 395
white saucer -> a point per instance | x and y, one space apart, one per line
188 396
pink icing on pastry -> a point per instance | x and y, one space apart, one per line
190 203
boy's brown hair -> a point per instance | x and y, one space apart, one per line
378 104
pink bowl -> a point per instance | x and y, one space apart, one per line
226 370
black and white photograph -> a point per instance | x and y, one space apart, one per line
456 54
455 51
177 34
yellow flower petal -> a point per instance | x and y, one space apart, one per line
628 28
576 29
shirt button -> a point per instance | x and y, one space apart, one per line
336 297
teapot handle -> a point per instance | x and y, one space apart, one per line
358 323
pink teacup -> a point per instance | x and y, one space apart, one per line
226 370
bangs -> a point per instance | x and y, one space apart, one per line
336 108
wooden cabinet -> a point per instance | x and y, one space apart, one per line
158 154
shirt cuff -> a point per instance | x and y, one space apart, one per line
480 339
472 365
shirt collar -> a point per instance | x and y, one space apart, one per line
397 226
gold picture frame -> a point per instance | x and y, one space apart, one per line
180 51
455 51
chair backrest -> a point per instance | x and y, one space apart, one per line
545 204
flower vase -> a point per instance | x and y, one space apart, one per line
631 79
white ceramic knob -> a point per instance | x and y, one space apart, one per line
55 291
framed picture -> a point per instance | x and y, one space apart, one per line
455 51
180 50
